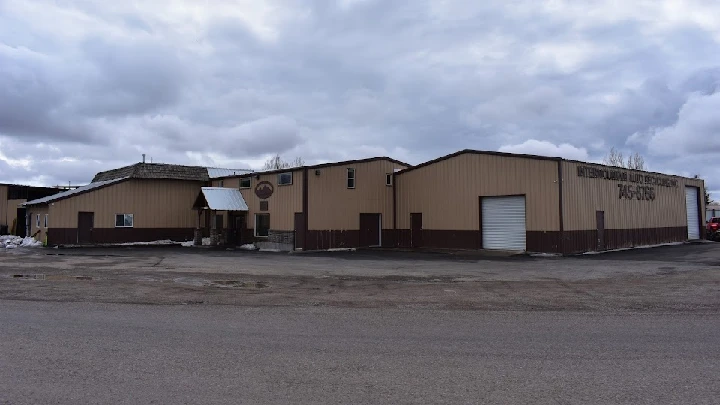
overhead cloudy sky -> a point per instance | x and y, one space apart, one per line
88 85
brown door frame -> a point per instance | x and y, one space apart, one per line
299 224
363 230
600 221
90 214
416 233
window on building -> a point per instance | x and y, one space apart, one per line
350 178
46 220
124 221
263 205
245 182
262 225
222 183
285 179
388 179
37 221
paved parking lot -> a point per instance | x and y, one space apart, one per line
672 278
358 327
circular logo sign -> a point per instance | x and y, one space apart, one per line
264 190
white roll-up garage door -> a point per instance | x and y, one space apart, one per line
691 202
503 223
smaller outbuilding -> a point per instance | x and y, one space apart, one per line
138 203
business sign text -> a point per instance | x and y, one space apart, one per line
643 185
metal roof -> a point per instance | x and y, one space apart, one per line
222 199
70 193
216 172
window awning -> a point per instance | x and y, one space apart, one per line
220 199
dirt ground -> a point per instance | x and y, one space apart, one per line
667 279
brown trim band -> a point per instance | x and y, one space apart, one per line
524 156
477 152
548 241
318 166
68 236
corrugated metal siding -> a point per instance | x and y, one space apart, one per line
224 199
584 196
231 182
332 206
282 205
446 193
154 204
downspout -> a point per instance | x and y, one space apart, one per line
394 205
561 246
305 209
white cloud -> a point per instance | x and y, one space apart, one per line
545 148
697 130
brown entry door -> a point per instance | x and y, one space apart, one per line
86 222
600 217
416 230
233 235
370 230
299 230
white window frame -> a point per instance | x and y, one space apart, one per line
255 230
249 180
388 179
46 221
280 183
353 178
132 217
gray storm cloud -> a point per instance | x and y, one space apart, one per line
86 87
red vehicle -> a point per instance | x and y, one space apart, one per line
713 228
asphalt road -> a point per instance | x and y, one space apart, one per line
78 353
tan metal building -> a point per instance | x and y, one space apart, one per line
489 200
143 202
466 200
348 204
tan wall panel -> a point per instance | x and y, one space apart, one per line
282 205
153 203
447 192
232 182
584 196
35 211
332 206
4 205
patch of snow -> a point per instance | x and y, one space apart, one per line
164 242
636 247
341 250
206 241
248 246
12 242
187 244
270 250
544 255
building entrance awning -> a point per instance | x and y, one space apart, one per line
220 199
